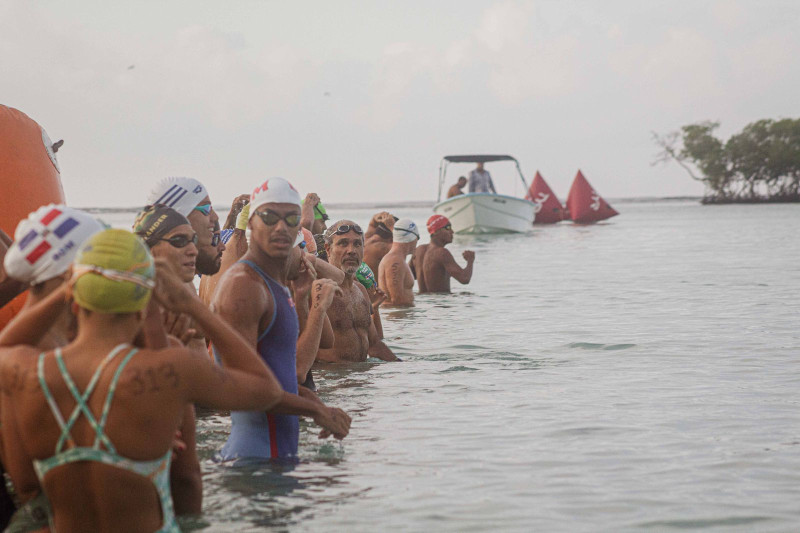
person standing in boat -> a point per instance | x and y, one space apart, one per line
481 181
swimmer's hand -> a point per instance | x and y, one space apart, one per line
376 297
322 293
469 256
179 326
305 277
333 422
385 218
170 291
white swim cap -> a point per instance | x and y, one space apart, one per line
273 191
181 194
405 231
46 242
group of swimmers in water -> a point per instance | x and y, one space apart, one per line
101 370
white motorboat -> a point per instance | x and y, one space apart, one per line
476 213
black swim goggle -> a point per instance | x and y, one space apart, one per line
342 229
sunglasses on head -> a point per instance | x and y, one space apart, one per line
270 218
205 209
181 241
345 228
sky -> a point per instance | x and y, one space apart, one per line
359 101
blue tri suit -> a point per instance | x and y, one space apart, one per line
255 433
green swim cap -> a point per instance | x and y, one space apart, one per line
365 276
113 272
319 211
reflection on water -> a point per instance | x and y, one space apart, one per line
636 375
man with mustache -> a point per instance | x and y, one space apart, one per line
355 336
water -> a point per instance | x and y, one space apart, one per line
633 375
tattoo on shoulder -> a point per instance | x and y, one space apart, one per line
154 379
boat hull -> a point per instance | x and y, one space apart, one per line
479 213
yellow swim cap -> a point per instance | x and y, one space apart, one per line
113 273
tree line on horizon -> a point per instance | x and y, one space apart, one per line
759 164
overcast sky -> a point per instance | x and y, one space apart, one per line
358 101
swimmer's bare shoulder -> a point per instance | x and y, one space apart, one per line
18 369
242 299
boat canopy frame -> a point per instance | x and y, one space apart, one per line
475 158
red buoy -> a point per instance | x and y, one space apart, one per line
548 208
585 205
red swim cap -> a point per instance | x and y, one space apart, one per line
437 222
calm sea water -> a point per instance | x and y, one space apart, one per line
634 375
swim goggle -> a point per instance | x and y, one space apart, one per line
114 275
412 232
342 229
182 241
320 213
270 218
205 209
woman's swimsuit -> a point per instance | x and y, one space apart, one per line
157 471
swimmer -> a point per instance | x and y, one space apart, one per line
57 231
189 197
40 257
350 314
438 264
314 216
123 405
312 296
233 236
378 238
415 265
253 298
458 188
171 238
394 275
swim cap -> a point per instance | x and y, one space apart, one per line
46 242
437 222
273 191
405 231
155 221
365 276
181 194
113 272
311 244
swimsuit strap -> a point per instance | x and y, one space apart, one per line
112 388
50 400
81 399
267 281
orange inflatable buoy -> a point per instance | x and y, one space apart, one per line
29 178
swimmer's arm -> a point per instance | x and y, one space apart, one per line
412 267
327 339
462 275
9 287
16 460
309 342
32 324
185 480
326 270
234 250
376 321
377 348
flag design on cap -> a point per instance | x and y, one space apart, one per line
59 231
